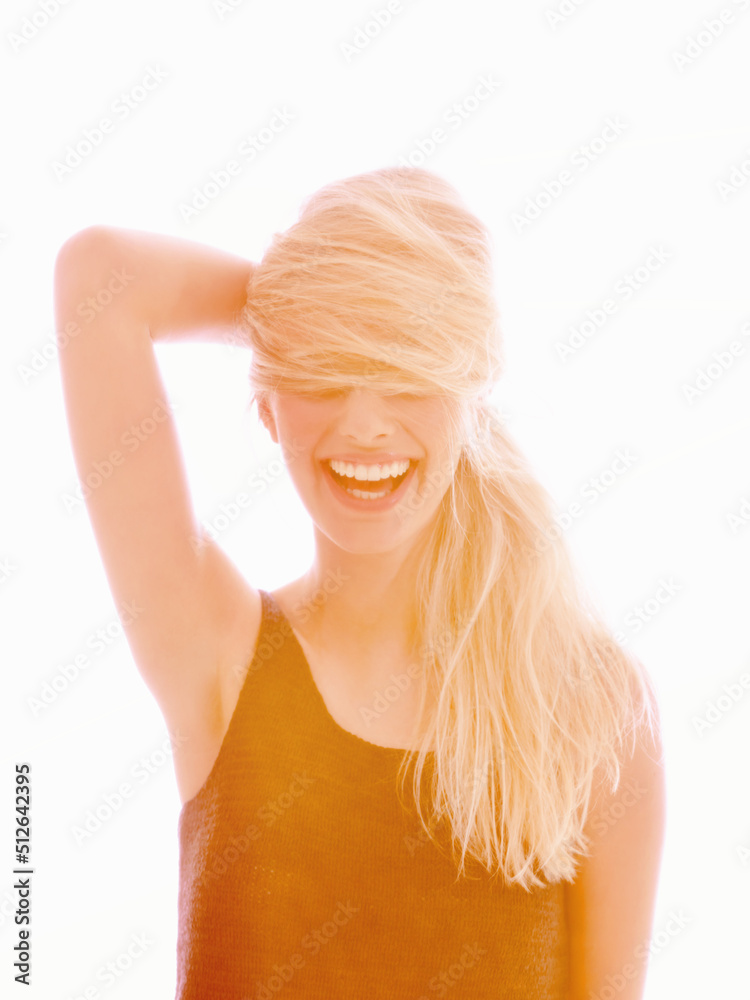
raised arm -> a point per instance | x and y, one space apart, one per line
175 289
116 291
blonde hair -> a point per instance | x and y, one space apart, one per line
386 281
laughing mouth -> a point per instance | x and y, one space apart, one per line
369 482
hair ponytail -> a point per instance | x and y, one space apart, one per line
535 699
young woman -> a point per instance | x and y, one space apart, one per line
424 768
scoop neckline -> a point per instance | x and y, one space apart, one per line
332 724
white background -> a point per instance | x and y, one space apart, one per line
684 127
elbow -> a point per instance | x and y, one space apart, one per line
81 245
81 261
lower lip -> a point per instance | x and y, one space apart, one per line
375 506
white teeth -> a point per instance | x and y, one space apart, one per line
366 495
369 473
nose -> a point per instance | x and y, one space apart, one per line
365 417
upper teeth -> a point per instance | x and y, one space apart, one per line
370 473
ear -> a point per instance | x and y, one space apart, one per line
266 415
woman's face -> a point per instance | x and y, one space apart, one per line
371 469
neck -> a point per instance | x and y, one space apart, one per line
367 602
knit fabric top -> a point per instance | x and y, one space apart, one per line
302 873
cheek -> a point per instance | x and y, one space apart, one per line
299 427
300 432
433 420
